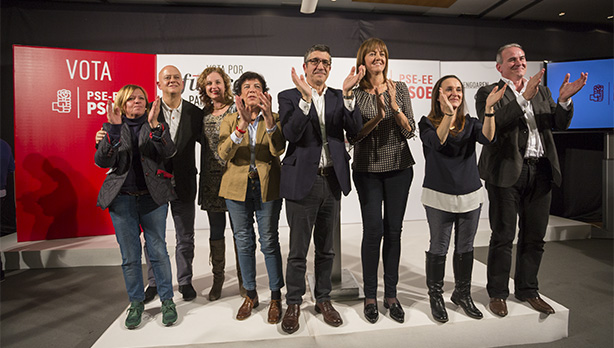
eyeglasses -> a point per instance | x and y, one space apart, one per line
317 61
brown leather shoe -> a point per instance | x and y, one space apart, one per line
538 304
498 306
246 308
330 314
290 322
274 312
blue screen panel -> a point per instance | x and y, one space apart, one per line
594 104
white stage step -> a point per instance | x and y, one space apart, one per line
104 251
203 323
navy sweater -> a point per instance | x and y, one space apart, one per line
451 167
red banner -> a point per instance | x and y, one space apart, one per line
60 99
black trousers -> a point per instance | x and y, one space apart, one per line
390 190
528 203
318 212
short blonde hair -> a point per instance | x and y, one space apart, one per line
124 93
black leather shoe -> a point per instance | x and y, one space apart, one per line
150 293
465 301
188 292
395 310
371 312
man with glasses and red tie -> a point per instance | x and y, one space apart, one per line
314 172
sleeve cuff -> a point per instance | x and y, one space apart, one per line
304 106
115 129
350 103
566 105
523 103
114 134
235 139
272 129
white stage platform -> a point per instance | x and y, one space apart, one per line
212 324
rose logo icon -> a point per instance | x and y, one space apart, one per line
63 103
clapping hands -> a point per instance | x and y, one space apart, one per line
568 89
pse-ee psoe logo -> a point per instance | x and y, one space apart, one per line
84 70
63 103
598 93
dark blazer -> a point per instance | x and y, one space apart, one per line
501 163
119 159
300 164
183 165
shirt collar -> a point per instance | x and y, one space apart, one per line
167 108
510 84
315 91
258 118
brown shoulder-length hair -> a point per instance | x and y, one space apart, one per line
367 46
201 84
124 93
436 115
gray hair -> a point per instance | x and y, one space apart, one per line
499 58
316 47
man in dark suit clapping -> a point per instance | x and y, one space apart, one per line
519 169
314 172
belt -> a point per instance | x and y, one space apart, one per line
326 171
135 193
532 160
253 175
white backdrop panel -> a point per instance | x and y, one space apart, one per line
419 76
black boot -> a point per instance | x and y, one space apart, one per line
463 266
435 270
217 257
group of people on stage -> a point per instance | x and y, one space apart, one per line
150 150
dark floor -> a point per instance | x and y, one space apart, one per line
579 275
72 307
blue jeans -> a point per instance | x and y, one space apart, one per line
267 216
183 216
130 214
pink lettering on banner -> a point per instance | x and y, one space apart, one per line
419 86
60 104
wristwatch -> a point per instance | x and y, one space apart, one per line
397 111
